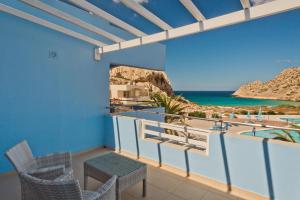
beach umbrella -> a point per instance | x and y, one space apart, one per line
231 116
260 115
260 111
248 115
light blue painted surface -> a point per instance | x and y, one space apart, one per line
111 124
272 133
57 104
260 166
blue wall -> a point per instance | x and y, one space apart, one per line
112 125
57 103
267 168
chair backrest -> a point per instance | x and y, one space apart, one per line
21 156
52 190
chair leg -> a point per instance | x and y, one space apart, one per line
144 188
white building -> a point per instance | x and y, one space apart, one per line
129 94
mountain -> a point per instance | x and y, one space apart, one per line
285 86
156 81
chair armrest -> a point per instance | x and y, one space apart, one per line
108 189
48 173
54 160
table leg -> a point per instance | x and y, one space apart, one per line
144 187
85 181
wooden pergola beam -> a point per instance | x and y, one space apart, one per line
108 17
256 12
50 25
190 6
245 3
72 19
146 13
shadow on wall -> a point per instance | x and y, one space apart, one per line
125 136
266 161
238 161
268 168
225 161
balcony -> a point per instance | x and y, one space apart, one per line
162 184
54 93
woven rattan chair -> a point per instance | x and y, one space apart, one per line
66 189
54 166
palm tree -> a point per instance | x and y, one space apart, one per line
286 135
172 106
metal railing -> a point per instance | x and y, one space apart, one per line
187 136
190 135
261 125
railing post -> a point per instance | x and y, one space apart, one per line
221 128
186 134
142 128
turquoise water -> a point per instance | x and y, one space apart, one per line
225 98
289 119
268 134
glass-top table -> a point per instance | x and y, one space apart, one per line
129 171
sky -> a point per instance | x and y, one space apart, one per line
224 58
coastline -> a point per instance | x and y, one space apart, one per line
224 103
262 97
228 99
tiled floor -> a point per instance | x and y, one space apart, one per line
162 185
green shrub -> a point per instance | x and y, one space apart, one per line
216 115
243 112
254 112
271 112
287 106
280 113
197 114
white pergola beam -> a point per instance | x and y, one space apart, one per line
74 20
50 25
252 13
245 3
190 6
112 19
146 13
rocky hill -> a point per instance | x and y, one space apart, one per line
285 86
156 81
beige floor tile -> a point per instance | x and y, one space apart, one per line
136 190
153 193
173 197
153 175
126 196
214 196
165 182
212 190
92 184
174 175
189 192
222 193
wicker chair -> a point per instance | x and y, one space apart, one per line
66 189
51 167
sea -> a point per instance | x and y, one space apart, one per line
225 98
